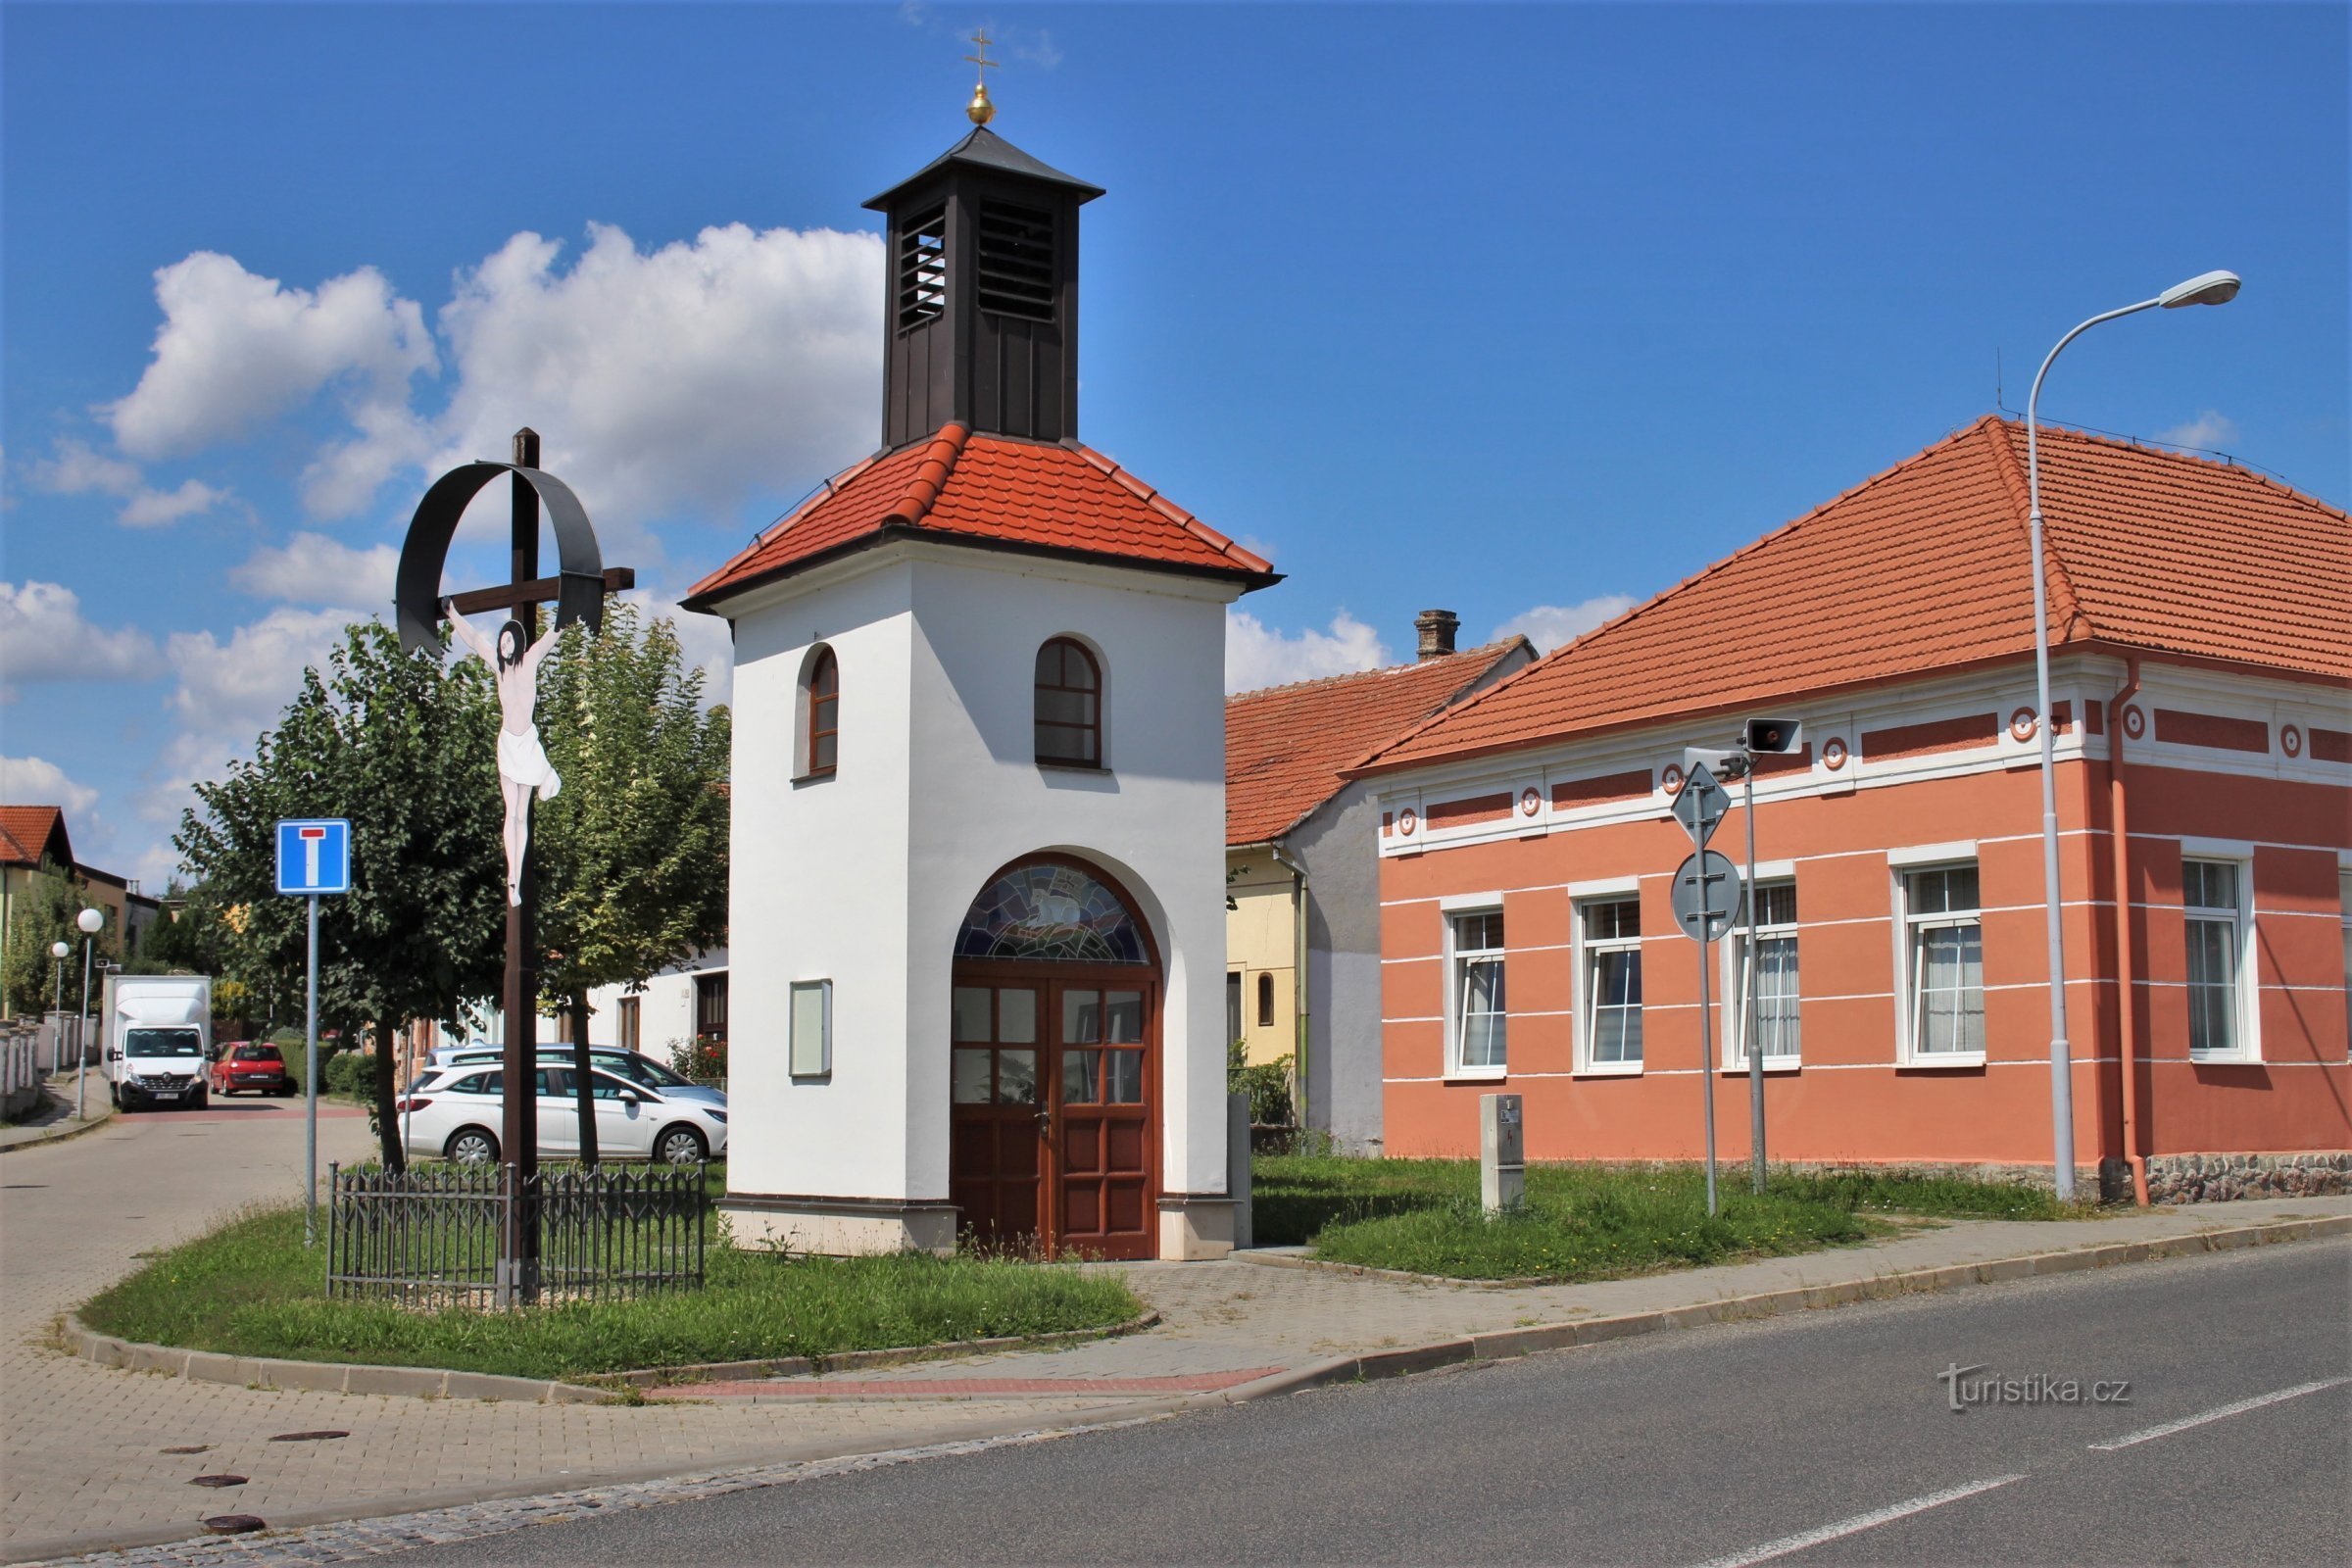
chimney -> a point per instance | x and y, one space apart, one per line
1436 628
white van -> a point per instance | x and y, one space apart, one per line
159 1039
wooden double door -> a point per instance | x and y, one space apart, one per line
1052 1137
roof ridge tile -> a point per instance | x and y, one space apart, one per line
2066 606
930 478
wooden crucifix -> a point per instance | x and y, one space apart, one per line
578 590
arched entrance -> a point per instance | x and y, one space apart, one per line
1054 1124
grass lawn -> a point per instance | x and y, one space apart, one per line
251 1289
1589 1222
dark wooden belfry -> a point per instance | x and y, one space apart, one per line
981 323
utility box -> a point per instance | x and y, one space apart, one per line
1502 1153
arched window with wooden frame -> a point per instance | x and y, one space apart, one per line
824 714
1069 705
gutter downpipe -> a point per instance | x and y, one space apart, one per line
1299 989
2126 983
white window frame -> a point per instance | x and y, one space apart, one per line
2246 1008
809 1050
1735 1032
1902 867
1457 956
1588 949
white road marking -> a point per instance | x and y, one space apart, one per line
1856 1525
2219 1412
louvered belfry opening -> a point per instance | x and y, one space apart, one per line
922 284
981 321
1016 261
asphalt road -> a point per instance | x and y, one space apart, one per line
1825 1439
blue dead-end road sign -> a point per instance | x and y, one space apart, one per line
314 856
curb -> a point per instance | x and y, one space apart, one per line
1506 1344
106 1113
436 1383
1325 1265
794 1366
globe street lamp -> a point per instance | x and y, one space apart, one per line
2206 288
57 1004
89 920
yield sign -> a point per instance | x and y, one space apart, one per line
1700 808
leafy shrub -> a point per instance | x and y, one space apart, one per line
349 1073
1267 1084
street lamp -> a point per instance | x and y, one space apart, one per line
57 1004
2206 288
89 920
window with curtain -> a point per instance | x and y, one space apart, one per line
1476 1001
2213 911
1776 1008
1945 968
1069 705
1609 934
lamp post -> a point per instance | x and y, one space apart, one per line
57 1004
2207 288
89 920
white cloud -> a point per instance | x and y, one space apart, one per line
2209 429
35 781
236 349
1257 655
44 637
231 691
311 568
1547 627
672 379
78 470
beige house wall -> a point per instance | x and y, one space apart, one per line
1262 939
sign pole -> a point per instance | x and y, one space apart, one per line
310 1087
1748 996
1706 1055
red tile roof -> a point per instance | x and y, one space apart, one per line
1285 746
25 830
991 491
1927 568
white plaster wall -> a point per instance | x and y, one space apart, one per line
864 878
816 880
664 1007
1154 817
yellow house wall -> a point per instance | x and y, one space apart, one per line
1262 937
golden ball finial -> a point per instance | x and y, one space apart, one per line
980 111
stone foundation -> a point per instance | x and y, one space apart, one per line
838 1227
2219 1178
1195 1227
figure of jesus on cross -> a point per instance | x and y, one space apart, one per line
522 765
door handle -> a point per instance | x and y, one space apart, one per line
1044 1118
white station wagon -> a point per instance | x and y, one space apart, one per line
455 1113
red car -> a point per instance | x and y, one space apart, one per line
244 1065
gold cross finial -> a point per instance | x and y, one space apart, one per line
980 110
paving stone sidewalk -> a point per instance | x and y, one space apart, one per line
85 1469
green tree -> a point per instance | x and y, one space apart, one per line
43 913
632 852
404 746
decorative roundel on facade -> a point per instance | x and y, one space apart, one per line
1671 781
2020 724
2290 740
1529 801
1833 754
2135 722
1406 820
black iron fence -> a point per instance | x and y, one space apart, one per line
431 1237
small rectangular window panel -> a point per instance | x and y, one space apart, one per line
2211 909
1945 968
812 1029
1480 1041
1612 982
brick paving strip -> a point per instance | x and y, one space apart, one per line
84 1473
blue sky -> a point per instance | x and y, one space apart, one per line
1527 310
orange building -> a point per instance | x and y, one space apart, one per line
2201 687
